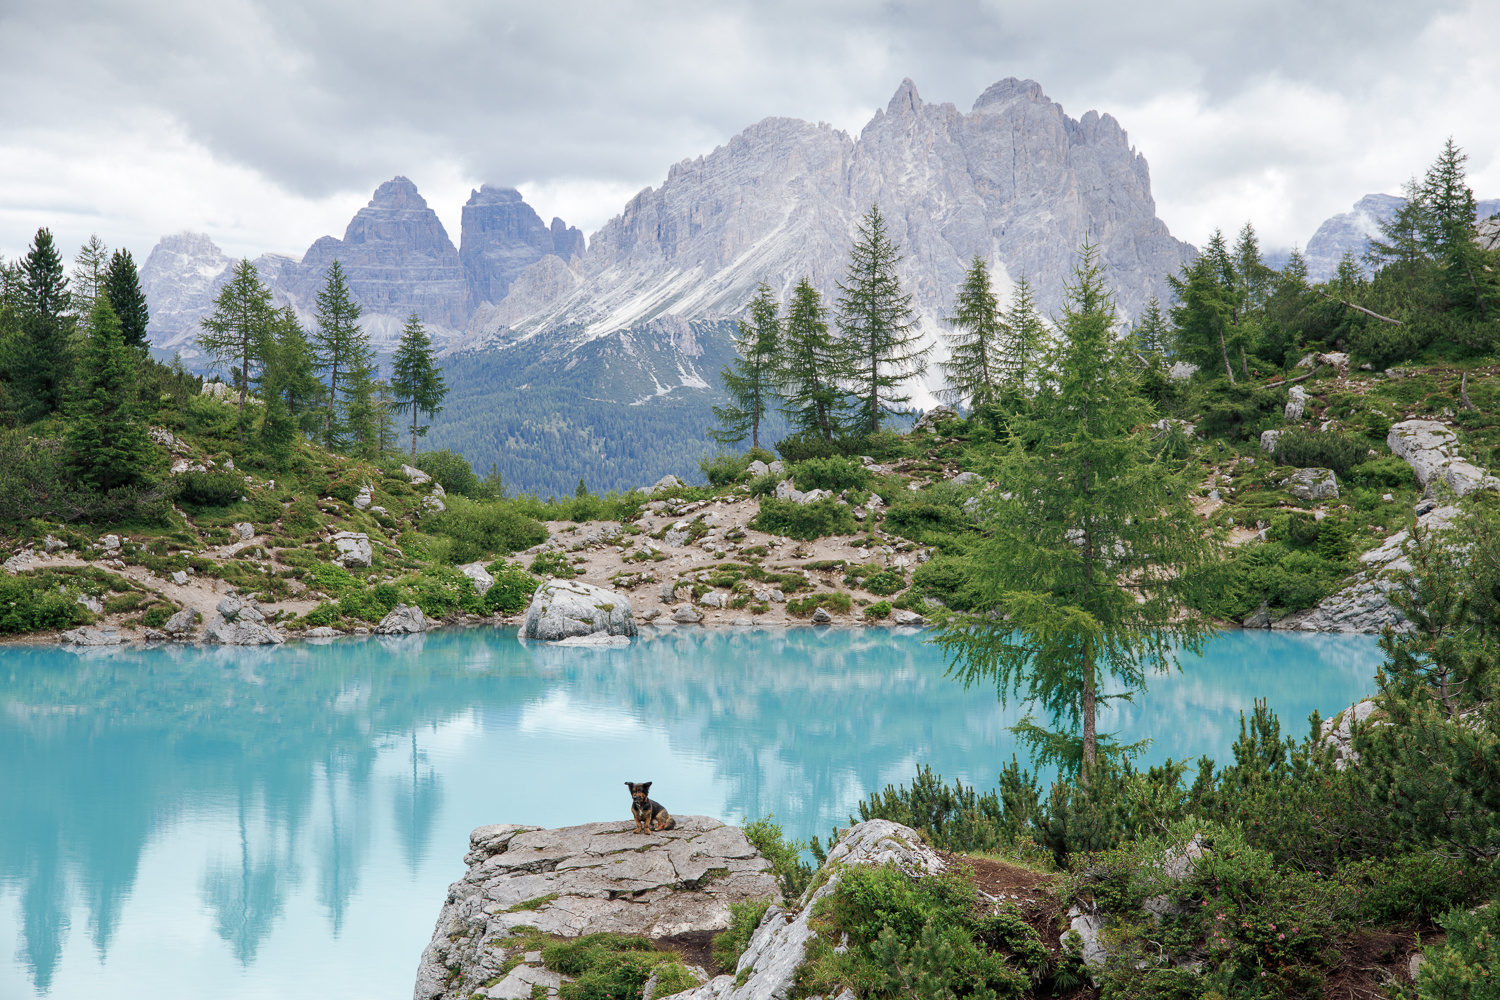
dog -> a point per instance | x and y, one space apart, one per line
649 816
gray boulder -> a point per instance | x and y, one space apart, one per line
245 529
53 544
92 603
105 636
686 615
901 616
968 479
590 879
402 620
1431 449
758 468
820 616
1296 404
353 549
1268 441
714 599
110 543
365 497
1312 484
20 561
481 577
241 632
181 623
930 420
417 476
561 608
235 609
180 578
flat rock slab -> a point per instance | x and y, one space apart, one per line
585 880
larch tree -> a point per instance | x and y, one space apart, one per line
1204 316
879 342
808 365
1149 337
340 347
1028 332
90 268
750 379
105 444
237 334
417 383
1087 541
122 284
976 348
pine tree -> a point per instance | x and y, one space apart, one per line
878 336
1450 203
340 348
1203 318
1406 238
750 379
297 380
1027 336
122 284
809 356
1149 338
361 420
105 444
90 268
385 418
975 365
1253 276
416 380
1086 542
41 365
237 334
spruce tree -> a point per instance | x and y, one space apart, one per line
1203 319
123 286
1149 338
750 379
105 444
90 268
878 337
1023 351
1086 541
385 418
340 348
361 419
1406 238
975 365
237 334
297 380
1450 202
41 365
416 380
809 356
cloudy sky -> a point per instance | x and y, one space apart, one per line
267 124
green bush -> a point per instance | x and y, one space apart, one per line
744 918
721 470
1281 576
801 447
922 519
1414 888
512 589
553 564
764 485
156 617
959 818
792 873
837 602
614 967
1321 450
209 489
481 530
29 603
332 580
452 472
875 578
805 521
1466 966
884 446
947 578
834 474
345 488
1388 471
878 610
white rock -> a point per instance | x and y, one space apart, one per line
415 475
402 620
1296 404
758 468
820 616
1181 371
353 549
968 479
562 608
594 639
1268 441
51 544
481 577
713 599
786 491
110 543
776 467
218 390
901 616
180 578
239 633
686 615
181 623
92 603
246 530
322 632
20 561
1430 449
365 497
234 609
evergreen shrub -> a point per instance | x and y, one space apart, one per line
452 472
480 530
833 473
29 602
1321 450
721 470
801 447
512 589
805 521
209 489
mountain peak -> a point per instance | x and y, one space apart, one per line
489 194
1011 89
905 99
396 194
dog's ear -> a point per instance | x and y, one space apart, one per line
646 788
630 785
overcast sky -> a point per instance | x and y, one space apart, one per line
267 124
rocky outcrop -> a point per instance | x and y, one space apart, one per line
1431 449
767 969
240 633
481 577
1351 232
562 608
1296 404
503 236
1312 484
594 878
106 636
353 549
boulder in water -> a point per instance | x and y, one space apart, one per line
561 608
403 620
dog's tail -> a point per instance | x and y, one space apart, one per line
671 824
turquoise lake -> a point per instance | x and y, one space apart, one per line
256 823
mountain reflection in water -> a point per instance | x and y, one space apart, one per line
262 822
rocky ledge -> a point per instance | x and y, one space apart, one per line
583 880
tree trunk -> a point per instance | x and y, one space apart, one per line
1090 738
414 432
1224 350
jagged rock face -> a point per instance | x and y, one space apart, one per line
1014 180
397 258
503 236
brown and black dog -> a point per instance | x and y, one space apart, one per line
649 816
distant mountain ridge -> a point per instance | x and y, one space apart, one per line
1351 232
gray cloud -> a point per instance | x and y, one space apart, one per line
321 100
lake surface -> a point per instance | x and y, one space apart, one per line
257 823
